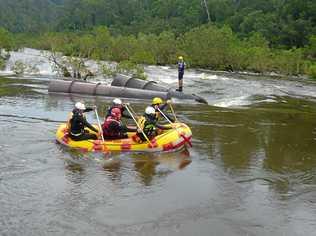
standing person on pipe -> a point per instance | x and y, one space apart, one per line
181 67
77 123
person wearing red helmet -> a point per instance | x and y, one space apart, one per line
113 128
117 103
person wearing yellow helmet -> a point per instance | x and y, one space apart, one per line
181 67
158 104
157 101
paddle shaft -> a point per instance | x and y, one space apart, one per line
167 119
131 109
96 113
137 124
164 115
174 114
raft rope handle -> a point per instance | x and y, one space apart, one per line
127 108
99 124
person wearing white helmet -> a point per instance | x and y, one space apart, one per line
77 123
148 124
117 103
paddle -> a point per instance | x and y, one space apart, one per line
164 116
131 109
99 123
138 126
174 114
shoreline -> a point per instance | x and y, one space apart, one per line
39 55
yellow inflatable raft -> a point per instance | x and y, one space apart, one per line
170 140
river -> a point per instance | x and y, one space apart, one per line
251 171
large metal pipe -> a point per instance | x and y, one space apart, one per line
125 81
131 82
79 87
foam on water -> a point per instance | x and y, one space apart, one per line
233 102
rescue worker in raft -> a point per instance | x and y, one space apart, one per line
117 103
148 124
113 128
158 103
77 123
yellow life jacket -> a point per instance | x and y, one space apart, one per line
68 126
141 122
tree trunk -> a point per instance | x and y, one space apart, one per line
207 12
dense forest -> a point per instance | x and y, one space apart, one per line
255 35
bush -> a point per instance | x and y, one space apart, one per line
311 71
2 63
19 67
128 67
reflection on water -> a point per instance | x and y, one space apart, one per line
149 166
146 166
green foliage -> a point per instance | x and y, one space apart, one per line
2 63
208 46
311 48
6 44
166 48
253 35
128 67
108 70
124 67
287 23
6 40
311 71
289 62
19 67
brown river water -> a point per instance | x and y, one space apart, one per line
251 171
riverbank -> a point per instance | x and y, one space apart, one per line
207 46
221 89
33 62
